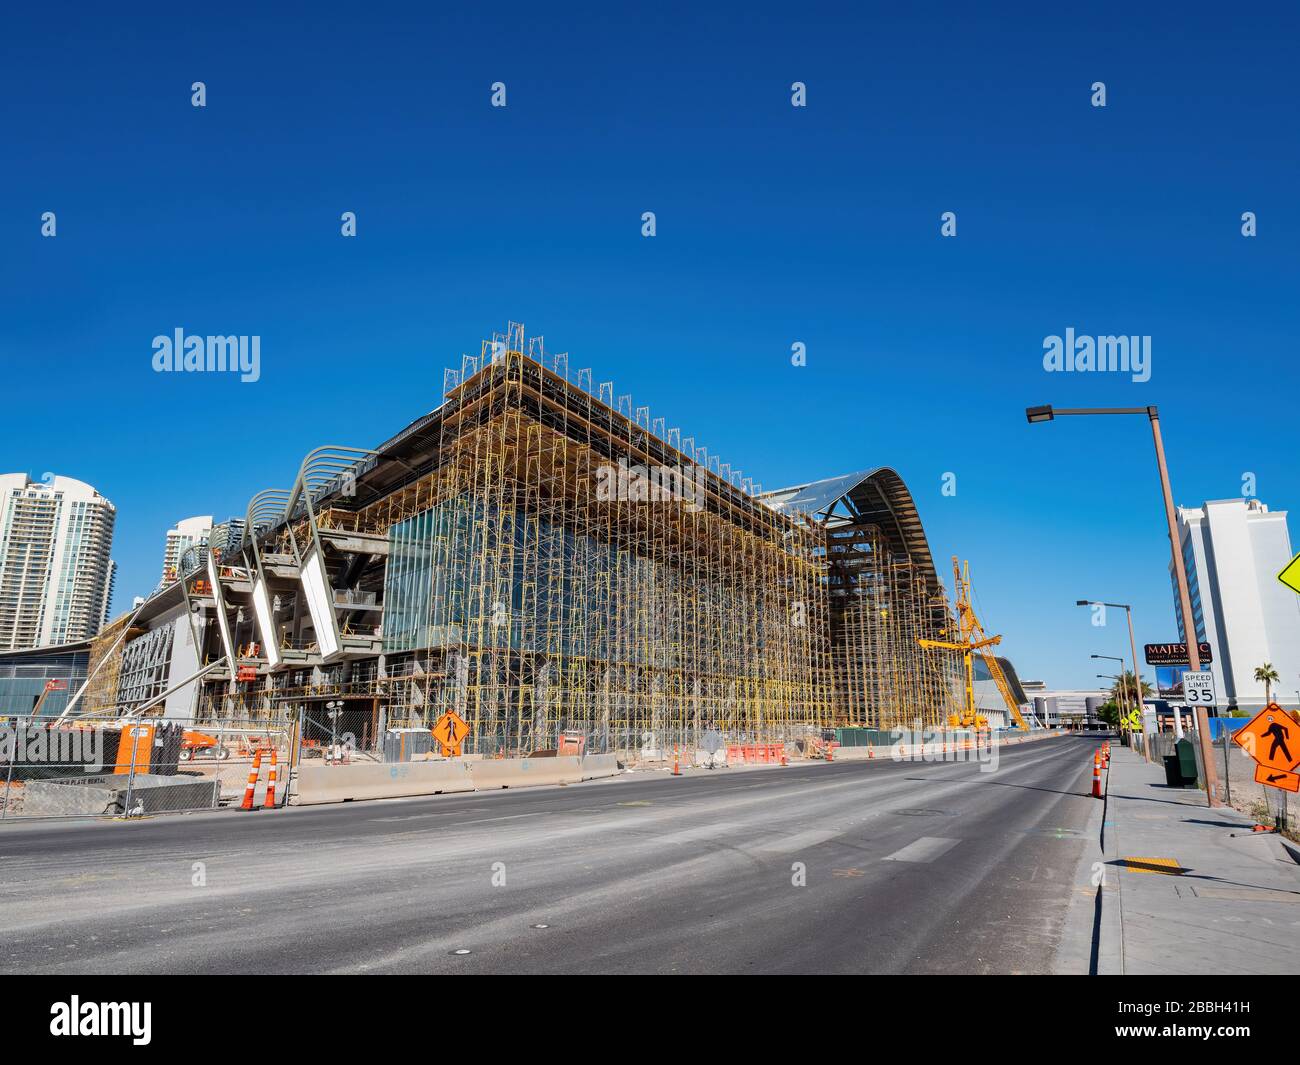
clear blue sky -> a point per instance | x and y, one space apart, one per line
775 225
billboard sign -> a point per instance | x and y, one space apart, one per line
1174 654
1169 682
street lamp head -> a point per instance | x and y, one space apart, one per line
1083 602
1039 414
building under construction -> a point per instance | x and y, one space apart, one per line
539 554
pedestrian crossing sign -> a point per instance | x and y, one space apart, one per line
1272 738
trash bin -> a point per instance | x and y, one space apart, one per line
1173 772
1186 760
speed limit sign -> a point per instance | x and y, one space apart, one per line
1198 689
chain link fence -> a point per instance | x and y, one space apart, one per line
1234 769
87 767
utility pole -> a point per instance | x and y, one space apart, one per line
1185 604
1048 413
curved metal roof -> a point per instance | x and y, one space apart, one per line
876 496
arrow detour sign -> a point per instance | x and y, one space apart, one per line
1275 778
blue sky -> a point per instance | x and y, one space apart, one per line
775 225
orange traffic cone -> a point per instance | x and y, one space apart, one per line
1096 776
253 772
677 769
270 783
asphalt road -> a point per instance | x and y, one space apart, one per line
908 868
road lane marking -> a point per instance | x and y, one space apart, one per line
451 813
798 841
688 835
925 849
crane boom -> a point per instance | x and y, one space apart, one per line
975 641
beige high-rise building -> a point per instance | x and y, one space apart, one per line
1233 550
189 532
56 576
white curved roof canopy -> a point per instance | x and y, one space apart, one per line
870 497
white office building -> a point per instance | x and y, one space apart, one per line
1065 708
189 532
56 576
1233 550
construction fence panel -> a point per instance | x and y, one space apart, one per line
117 768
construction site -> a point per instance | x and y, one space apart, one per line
553 570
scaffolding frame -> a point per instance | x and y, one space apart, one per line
642 620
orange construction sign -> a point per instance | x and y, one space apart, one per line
450 732
1277 778
1272 738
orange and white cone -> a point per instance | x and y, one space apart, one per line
677 769
270 783
253 773
1096 776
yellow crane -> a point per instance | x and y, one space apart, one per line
973 640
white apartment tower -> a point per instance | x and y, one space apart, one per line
56 577
189 532
1233 550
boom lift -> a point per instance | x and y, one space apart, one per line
973 640
50 686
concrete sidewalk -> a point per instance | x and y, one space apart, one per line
1229 904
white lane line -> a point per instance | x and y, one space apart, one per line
687 835
451 814
798 841
925 849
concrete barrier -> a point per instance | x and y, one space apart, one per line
106 795
599 765
315 784
525 772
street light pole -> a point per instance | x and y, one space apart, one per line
1137 676
1121 686
1047 414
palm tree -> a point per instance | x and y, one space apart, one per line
1109 713
1266 675
1122 690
